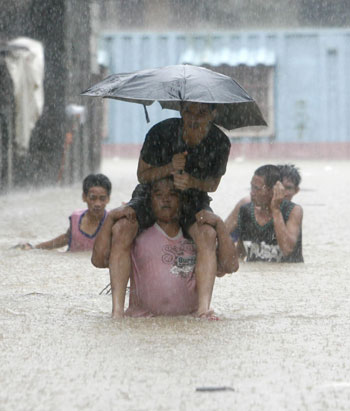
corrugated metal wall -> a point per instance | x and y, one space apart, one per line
312 78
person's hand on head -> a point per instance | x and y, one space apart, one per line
179 161
278 195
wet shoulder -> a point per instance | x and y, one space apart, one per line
246 207
218 135
287 207
166 128
160 142
79 212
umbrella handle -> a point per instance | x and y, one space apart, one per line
146 113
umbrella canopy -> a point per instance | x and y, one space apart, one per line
172 85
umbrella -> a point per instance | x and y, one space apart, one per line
172 85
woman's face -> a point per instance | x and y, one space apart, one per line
165 201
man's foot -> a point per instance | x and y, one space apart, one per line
208 315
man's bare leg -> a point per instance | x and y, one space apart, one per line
103 241
204 237
123 233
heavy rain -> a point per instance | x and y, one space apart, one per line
281 341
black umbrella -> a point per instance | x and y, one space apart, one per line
172 85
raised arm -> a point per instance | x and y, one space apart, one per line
286 233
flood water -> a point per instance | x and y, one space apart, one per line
283 341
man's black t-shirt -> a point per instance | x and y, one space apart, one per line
208 159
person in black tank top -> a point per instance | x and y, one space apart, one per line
269 228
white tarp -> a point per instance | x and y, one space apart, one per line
25 64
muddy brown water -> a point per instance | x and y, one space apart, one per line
283 341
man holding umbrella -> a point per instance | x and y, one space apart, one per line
191 148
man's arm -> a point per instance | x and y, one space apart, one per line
146 173
102 244
286 233
56 242
231 221
227 256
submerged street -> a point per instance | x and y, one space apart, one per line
282 342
